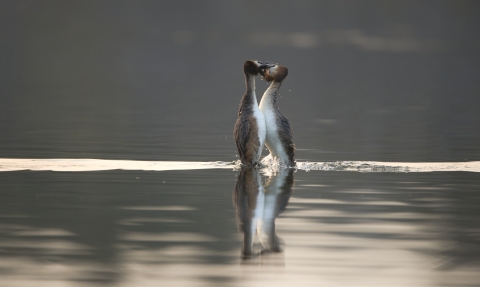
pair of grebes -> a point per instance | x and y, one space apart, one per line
258 204
263 123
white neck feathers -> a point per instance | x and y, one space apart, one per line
250 83
270 96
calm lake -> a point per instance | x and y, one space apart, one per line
116 148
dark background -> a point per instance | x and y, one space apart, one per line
161 80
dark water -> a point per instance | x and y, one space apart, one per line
125 228
155 81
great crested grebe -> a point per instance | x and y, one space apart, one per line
250 130
279 135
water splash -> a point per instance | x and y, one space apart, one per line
352 166
376 166
273 163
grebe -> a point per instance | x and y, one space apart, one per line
250 130
279 135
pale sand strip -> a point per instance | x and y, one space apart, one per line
12 164
15 164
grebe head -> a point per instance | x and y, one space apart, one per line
273 72
252 67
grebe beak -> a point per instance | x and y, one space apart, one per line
266 64
263 66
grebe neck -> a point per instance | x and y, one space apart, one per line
270 96
249 100
250 83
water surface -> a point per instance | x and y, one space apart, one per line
124 228
117 155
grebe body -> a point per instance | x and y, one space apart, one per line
279 134
250 129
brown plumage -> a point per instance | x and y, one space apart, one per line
249 130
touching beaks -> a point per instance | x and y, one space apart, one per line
263 66
266 64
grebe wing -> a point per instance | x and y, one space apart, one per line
285 135
284 127
241 133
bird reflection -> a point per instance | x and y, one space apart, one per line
258 205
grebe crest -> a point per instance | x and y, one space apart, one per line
252 67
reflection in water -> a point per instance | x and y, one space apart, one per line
123 228
259 205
